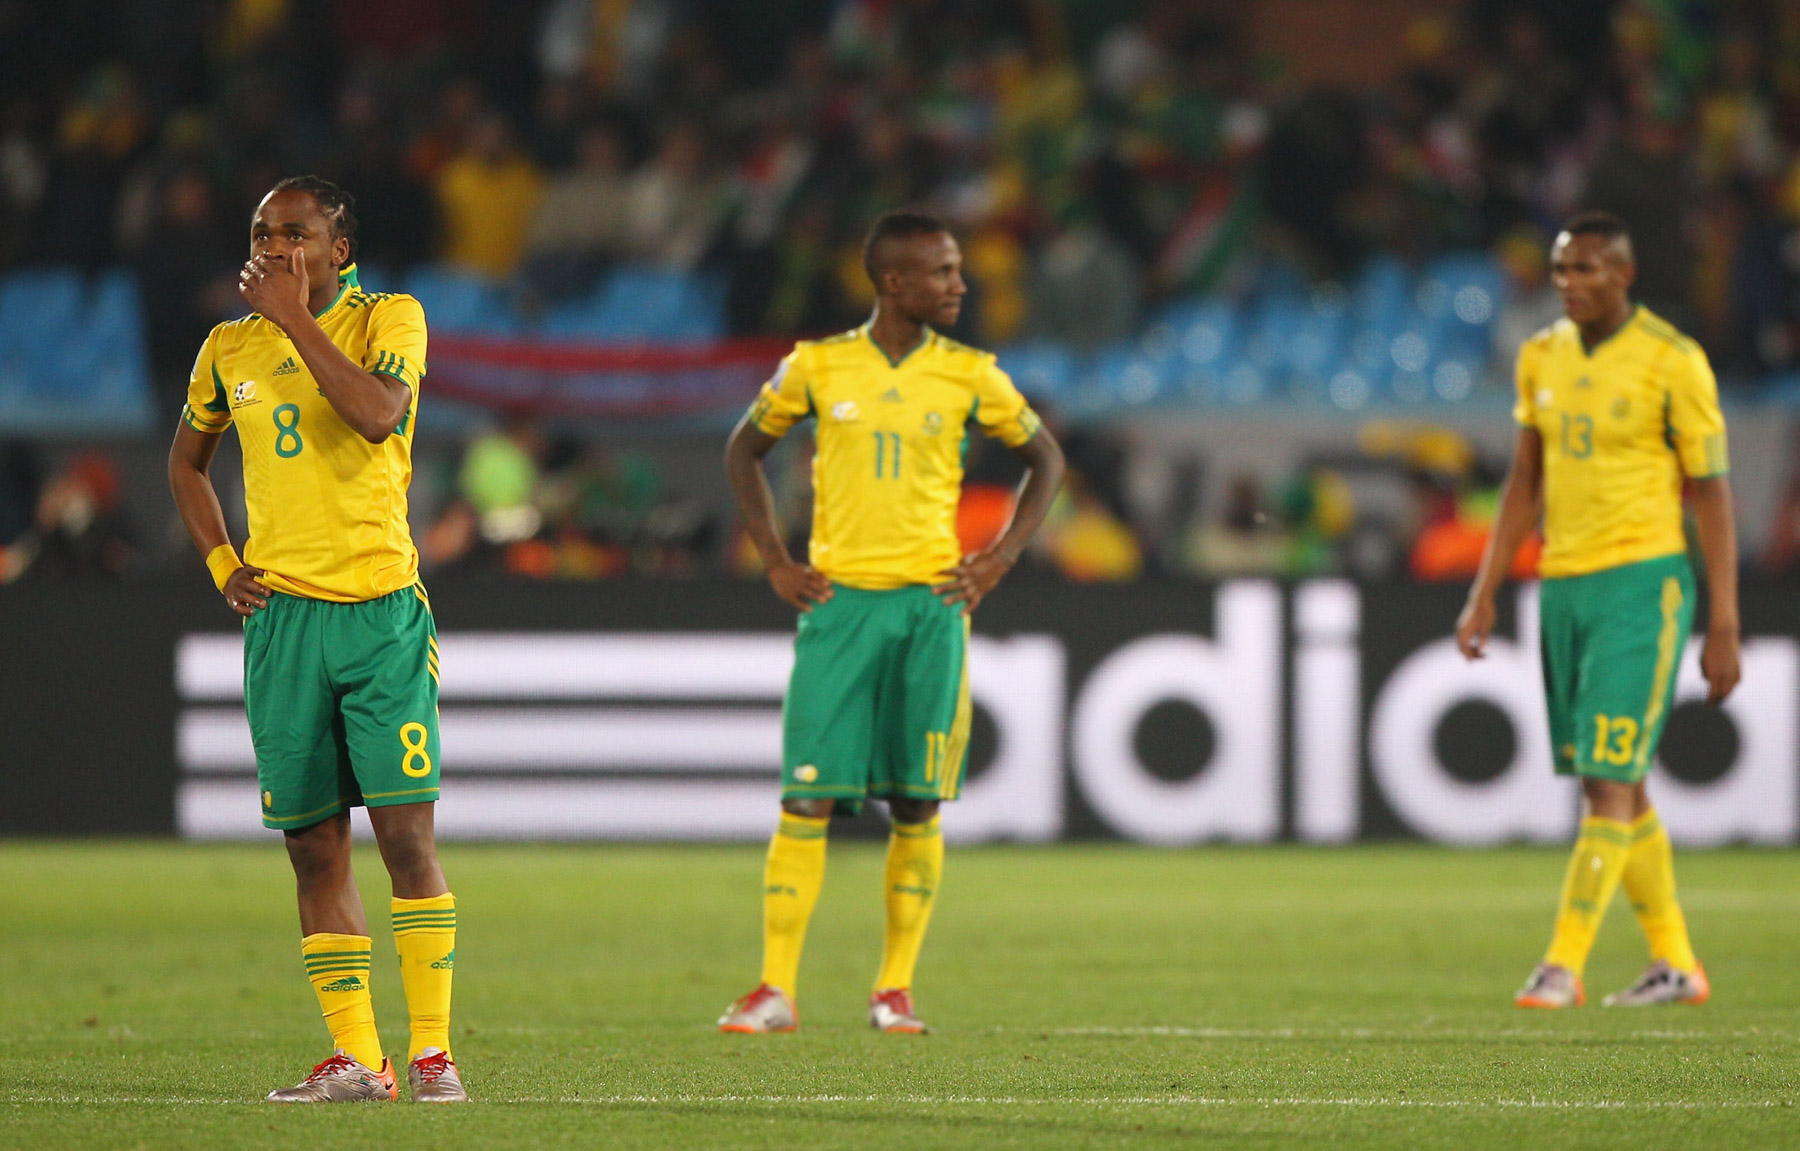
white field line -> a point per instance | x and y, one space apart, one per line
1351 1102
1272 1033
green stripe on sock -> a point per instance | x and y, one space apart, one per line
1611 835
363 970
312 955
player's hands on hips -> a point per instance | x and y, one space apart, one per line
972 579
801 585
1719 663
276 287
245 592
1474 626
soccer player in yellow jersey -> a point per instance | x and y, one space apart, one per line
321 381
879 700
1616 411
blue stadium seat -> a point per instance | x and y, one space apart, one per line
658 304
1207 334
1041 370
461 302
1124 374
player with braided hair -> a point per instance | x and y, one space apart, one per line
321 381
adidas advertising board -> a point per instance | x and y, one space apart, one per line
1165 713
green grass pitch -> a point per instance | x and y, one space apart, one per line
1084 996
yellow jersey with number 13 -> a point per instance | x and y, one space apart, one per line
1621 426
327 508
888 467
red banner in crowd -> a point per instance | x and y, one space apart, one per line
603 380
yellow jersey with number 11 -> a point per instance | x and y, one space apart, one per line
327 508
1621 426
888 467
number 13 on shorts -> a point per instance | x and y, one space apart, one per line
1615 739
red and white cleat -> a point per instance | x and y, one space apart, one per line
1662 983
763 1010
1551 986
892 1011
432 1078
342 1079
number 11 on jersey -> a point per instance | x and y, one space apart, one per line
884 456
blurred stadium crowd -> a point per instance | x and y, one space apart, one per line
1154 208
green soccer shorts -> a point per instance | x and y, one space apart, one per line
1611 641
342 699
878 704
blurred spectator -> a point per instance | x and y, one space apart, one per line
77 527
19 482
187 278
1646 179
581 227
1246 540
98 137
673 204
1083 286
396 215
1530 303
488 193
24 176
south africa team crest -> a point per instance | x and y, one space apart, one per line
934 423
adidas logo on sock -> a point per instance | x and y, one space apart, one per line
892 396
347 983
288 368
447 963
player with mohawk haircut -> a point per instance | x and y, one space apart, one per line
878 705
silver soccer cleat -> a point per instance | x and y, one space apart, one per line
1661 983
892 1011
432 1078
763 1010
341 1079
1551 986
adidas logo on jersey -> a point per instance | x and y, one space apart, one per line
892 396
288 368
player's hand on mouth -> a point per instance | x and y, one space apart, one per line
275 286
801 585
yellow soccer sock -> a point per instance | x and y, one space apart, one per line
425 937
1595 868
338 966
1650 885
915 865
792 877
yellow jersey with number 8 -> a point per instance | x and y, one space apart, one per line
1621 426
327 508
888 465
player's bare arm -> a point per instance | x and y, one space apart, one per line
971 580
278 288
799 584
190 463
1717 531
1521 503
278 284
